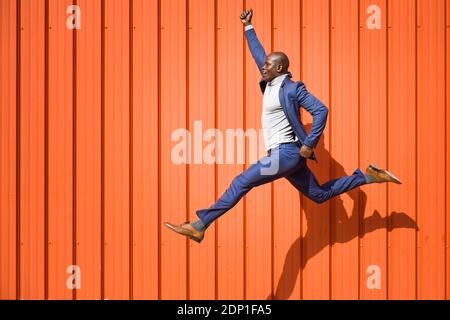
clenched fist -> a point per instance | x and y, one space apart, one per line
306 152
246 17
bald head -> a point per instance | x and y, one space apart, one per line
280 58
276 64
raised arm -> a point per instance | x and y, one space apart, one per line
256 48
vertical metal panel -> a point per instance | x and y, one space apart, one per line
86 141
202 111
344 126
372 148
60 166
402 210
447 110
88 150
173 116
145 149
431 149
116 152
32 276
230 247
8 143
315 266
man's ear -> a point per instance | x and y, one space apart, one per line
279 68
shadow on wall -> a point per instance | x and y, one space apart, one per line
297 256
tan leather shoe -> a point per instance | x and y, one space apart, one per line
186 229
380 176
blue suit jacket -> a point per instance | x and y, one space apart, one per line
292 96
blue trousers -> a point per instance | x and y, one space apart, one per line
283 161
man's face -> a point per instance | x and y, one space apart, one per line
271 68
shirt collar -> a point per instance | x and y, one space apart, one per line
277 80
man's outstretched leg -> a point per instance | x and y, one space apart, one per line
279 163
305 181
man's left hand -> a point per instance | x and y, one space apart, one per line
306 152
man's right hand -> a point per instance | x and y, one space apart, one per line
246 17
306 152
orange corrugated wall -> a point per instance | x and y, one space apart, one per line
86 176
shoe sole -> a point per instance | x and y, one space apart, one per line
196 239
392 176
170 227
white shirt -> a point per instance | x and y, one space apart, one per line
275 125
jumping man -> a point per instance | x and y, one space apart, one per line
287 143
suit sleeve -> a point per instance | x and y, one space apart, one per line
318 111
256 48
